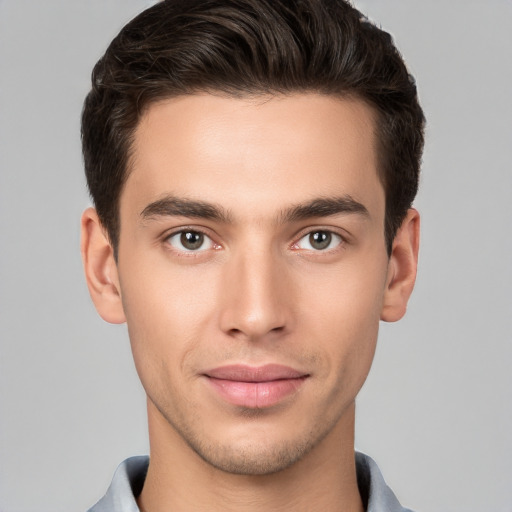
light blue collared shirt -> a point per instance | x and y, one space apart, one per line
129 479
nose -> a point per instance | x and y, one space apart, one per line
256 299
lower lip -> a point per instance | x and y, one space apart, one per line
256 395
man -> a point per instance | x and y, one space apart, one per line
252 165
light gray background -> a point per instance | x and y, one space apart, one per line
436 411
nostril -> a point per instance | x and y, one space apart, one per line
254 333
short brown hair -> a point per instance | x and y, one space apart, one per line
248 47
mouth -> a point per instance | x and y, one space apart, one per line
255 387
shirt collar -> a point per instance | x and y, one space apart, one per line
130 475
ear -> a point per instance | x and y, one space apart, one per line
101 269
402 267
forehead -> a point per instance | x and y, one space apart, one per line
261 152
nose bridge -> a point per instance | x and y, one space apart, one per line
254 302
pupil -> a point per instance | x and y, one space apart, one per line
320 239
192 240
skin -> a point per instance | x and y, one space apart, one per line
257 291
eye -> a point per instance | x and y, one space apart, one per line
319 240
190 241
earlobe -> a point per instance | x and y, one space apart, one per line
402 268
100 269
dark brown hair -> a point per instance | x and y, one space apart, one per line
248 47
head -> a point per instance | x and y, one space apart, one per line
252 164
248 48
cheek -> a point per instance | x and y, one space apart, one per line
350 293
343 315
161 296
352 340
165 312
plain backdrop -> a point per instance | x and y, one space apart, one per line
436 411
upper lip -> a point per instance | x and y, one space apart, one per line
247 373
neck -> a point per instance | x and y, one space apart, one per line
179 480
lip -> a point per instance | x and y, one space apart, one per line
255 387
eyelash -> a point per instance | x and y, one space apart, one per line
341 241
191 252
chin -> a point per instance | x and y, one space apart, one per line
252 459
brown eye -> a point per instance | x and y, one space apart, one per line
189 240
320 240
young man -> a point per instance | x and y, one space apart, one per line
252 165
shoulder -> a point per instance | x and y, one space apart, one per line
125 487
376 494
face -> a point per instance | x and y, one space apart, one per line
253 271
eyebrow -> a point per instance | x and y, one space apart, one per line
325 207
171 206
